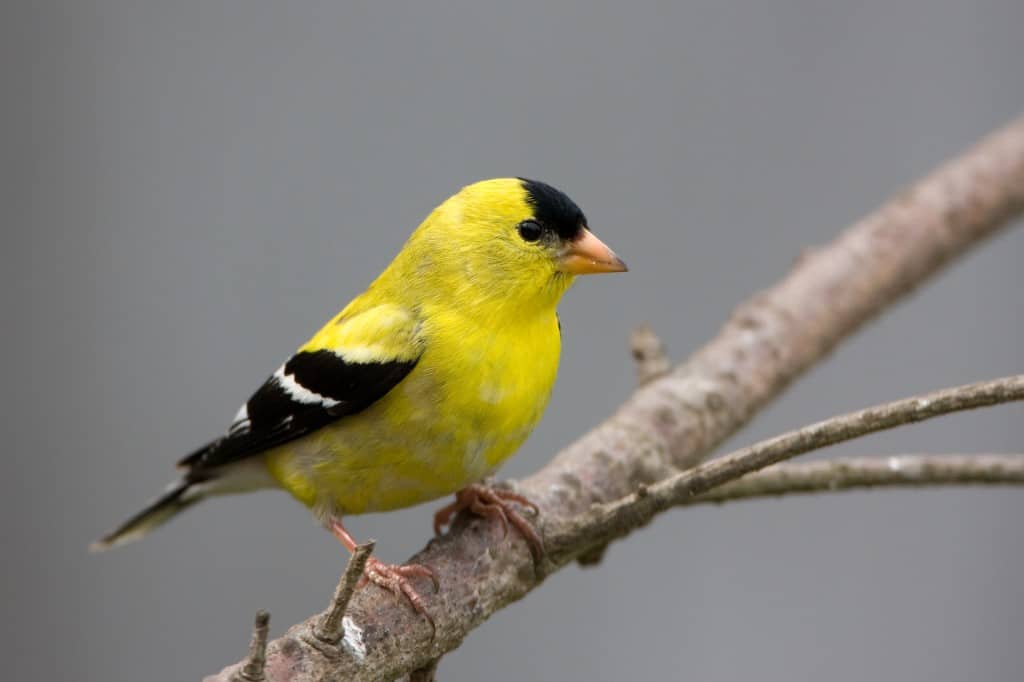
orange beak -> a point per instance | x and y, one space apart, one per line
588 255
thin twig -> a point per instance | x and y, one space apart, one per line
847 473
252 669
329 628
607 522
649 355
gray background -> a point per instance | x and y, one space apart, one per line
195 186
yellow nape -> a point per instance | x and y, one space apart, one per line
468 253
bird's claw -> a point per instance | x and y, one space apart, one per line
494 503
395 578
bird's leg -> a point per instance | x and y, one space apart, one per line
392 577
494 503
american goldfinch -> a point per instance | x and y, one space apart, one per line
422 386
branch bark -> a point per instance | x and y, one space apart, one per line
850 473
673 422
252 667
604 523
649 355
331 627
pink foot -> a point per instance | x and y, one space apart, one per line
392 577
494 504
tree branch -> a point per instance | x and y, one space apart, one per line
673 422
850 473
607 522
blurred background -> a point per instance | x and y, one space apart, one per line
195 186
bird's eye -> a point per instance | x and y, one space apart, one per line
529 230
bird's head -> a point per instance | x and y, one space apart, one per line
510 240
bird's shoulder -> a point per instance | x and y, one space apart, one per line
366 332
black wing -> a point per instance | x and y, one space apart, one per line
311 390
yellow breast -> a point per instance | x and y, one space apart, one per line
472 399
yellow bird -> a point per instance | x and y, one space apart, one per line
423 385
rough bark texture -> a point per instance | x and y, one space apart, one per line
330 627
252 668
674 421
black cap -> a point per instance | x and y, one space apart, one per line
554 210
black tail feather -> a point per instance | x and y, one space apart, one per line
170 504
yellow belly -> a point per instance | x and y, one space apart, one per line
472 399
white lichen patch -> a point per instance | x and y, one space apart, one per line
353 639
